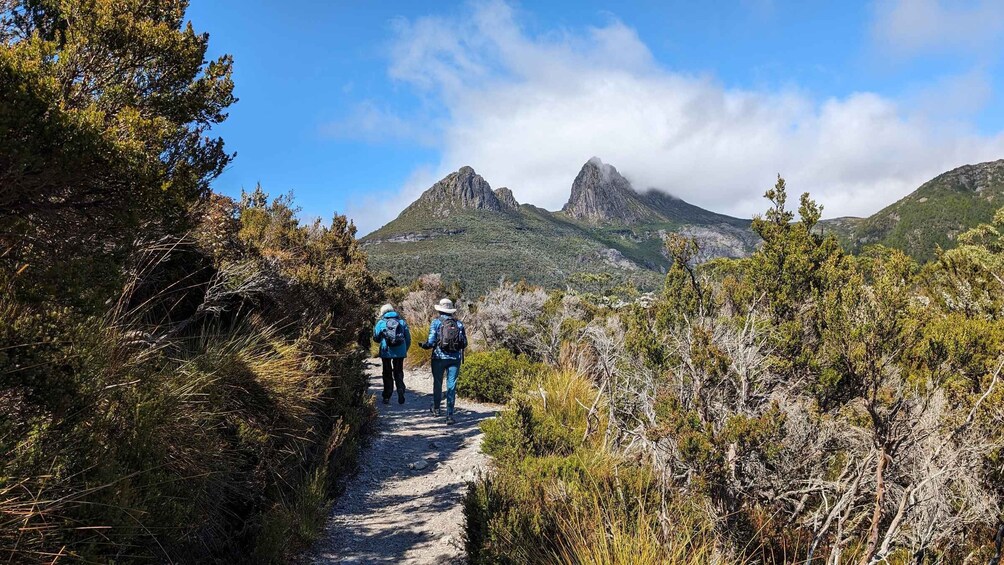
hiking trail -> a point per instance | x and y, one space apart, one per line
404 505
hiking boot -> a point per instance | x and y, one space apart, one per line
434 411
386 400
400 398
450 421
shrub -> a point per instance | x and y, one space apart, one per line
196 411
490 376
554 495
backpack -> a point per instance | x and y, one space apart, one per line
450 339
392 333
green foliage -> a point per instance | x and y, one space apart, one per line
933 216
492 376
554 496
107 107
195 407
803 362
152 380
418 357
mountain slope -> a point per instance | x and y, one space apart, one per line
462 229
931 216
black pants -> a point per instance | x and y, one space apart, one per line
393 372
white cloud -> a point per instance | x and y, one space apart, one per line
526 111
917 26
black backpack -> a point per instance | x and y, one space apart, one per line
450 338
393 334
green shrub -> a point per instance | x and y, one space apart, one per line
223 434
180 373
491 376
557 496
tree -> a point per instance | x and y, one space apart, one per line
104 128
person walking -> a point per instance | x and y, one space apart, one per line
392 333
447 339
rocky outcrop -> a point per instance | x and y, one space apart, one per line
506 198
600 194
463 189
720 240
974 178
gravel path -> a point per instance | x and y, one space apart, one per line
404 506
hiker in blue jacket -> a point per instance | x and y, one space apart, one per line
447 339
392 333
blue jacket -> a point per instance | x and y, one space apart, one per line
438 353
399 351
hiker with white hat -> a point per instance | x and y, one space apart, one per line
392 333
447 339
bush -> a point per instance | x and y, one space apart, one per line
555 495
490 376
196 411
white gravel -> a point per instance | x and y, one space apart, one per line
404 506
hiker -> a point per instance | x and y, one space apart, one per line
447 339
392 333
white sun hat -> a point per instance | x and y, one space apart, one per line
386 308
445 306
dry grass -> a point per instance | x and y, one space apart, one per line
418 357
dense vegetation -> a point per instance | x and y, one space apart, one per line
931 217
490 376
479 248
180 376
799 405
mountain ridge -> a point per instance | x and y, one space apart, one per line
931 216
478 235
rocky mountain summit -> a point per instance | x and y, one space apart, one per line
506 198
466 231
978 178
463 189
600 194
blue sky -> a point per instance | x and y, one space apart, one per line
357 107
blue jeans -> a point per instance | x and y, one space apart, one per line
452 369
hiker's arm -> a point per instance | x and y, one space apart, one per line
431 341
407 337
377 331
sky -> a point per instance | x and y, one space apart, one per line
359 107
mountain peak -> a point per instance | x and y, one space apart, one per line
601 194
462 189
506 198
970 178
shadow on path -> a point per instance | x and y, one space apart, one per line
395 511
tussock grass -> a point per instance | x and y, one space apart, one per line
418 357
193 419
556 495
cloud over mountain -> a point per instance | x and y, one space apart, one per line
525 108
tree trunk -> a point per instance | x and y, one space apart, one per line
873 531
